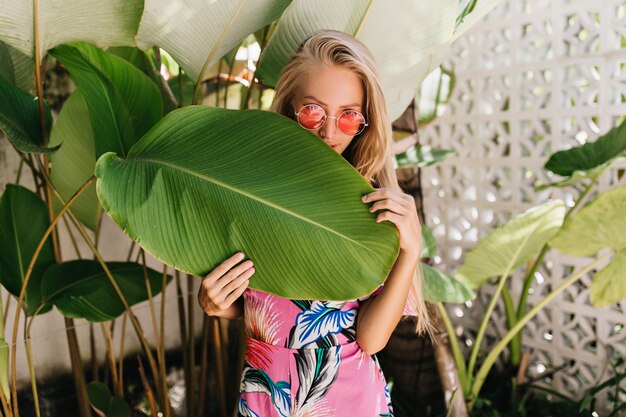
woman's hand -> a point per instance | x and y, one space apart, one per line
224 285
400 210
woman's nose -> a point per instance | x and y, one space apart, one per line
329 128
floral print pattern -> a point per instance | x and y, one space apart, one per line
303 360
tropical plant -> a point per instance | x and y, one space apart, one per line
600 226
114 113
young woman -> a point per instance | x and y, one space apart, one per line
312 357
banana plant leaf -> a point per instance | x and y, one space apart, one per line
207 182
513 243
123 102
74 163
407 38
421 156
198 33
429 246
19 118
23 222
591 159
609 285
17 68
599 225
80 288
146 63
105 23
441 287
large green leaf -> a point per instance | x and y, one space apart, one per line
605 150
407 38
513 243
198 33
23 222
80 288
74 163
609 285
123 102
599 225
207 182
19 118
17 68
441 287
111 22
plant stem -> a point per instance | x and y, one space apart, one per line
501 345
203 364
31 373
108 339
120 359
162 387
190 343
456 349
511 318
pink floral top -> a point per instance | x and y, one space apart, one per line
303 360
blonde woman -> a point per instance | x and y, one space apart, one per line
312 357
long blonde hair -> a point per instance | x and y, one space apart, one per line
371 151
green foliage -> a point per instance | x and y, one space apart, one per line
512 244
19 118
421 156
80 288
74 163
106 404
23 222
123 102
439 286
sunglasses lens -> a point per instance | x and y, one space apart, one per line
311 116
351 122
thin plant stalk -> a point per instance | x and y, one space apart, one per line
204 364
31 373
219 365
19 171
3 400
162 387
29 272
120 359
182 327
456 348
108 339
147 388
489 361
190 343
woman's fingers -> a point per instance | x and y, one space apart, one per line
237 281
232 274
236 293
224 267
389 204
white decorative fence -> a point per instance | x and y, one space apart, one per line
534 77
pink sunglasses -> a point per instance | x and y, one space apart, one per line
313 116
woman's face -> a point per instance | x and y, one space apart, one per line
335 89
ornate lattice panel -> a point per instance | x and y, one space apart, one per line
534 77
